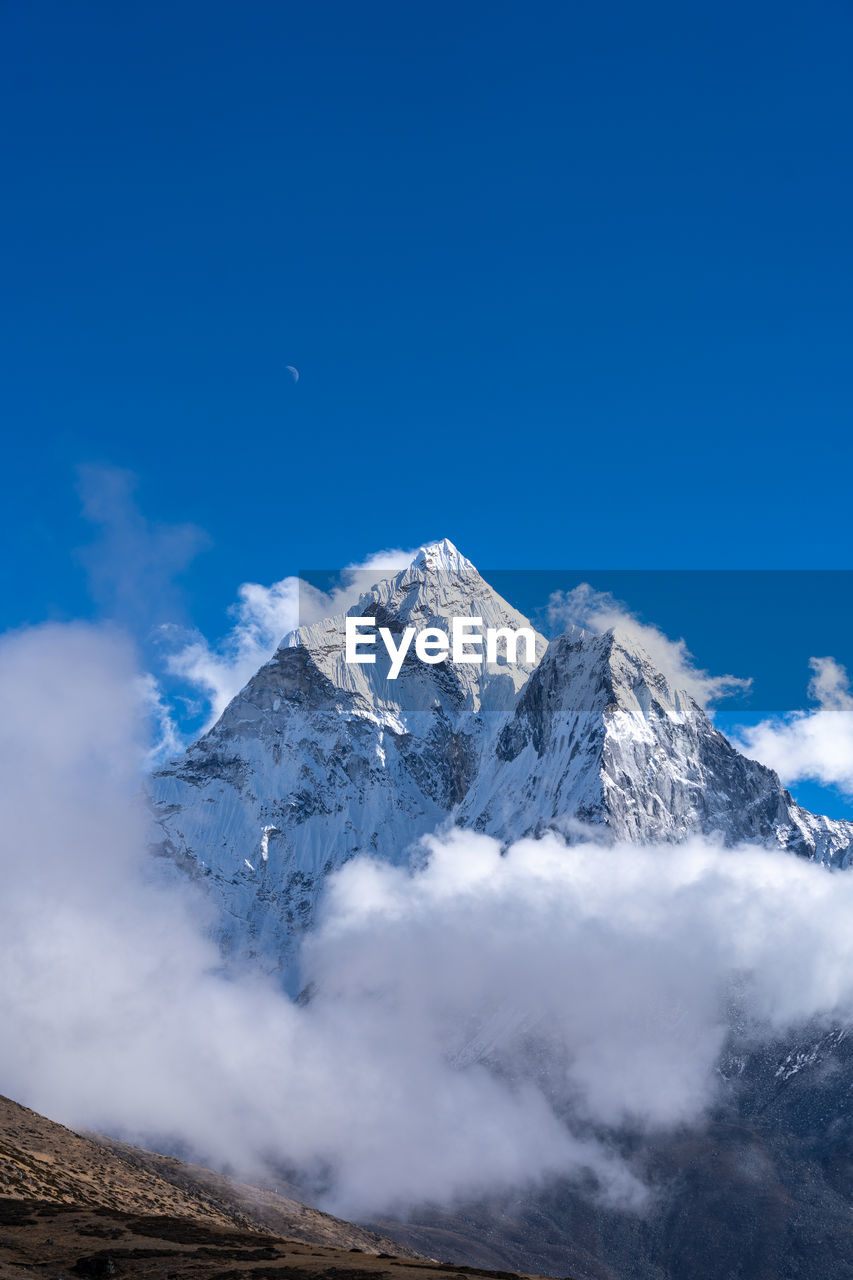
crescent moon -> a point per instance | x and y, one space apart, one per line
293 372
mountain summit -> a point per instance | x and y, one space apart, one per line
318 760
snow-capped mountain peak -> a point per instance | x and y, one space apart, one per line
318 760
442 557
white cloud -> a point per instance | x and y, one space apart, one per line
599 611
471 1019
263 617
815 744
166 740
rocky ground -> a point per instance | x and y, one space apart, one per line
76 1206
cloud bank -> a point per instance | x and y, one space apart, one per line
480 1023
599 611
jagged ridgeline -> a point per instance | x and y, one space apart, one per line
318 760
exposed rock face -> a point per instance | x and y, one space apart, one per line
761 1192
599 735
318 760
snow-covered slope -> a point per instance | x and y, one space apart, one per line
599 736
317 760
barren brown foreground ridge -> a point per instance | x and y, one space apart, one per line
85 1206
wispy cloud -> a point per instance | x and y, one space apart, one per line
134 567
134 562
599 611
814 744
166 740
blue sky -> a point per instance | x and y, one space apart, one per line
569 284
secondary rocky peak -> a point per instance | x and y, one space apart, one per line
599 735
639 685
602 672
